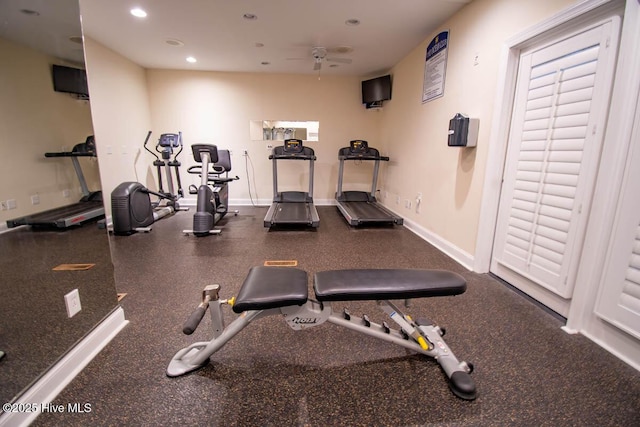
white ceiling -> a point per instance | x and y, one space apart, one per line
217 35
48 30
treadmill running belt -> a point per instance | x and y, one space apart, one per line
292 213
367 212
63 216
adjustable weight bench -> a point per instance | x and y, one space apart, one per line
268 291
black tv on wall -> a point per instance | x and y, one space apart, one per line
374 91
70 80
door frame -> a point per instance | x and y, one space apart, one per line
618 137
565 21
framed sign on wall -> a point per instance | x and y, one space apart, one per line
435 67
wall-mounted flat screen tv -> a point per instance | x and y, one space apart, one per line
70 80
376 90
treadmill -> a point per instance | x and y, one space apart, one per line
89 207
292 208
360 207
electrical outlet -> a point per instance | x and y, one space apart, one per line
11 204
3 205
245 153
407 203
35 199
66 193
72 302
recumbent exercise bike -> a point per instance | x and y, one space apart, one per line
213 193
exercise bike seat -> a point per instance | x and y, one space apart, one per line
386 284
271 287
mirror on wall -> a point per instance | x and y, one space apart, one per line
42 266
279 130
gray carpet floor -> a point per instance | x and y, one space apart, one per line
527 370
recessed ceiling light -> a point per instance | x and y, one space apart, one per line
352 22
191 59
174 42
138 13
30 12
250 16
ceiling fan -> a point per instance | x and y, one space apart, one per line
319 55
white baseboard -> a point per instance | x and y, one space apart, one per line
458 255
65 370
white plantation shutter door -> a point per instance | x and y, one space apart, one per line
619 294
556 132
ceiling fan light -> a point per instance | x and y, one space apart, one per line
174 42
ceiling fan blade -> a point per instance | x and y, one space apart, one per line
296 59
340 60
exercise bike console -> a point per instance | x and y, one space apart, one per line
201 149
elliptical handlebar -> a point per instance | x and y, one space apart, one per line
181 146
147 148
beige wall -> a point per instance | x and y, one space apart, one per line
120 108
33 120
415 134
212 107
216 108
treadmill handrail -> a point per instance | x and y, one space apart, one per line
291 157
70 154
361 157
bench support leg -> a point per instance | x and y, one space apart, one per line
460 382
197 354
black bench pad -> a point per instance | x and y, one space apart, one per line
271 287
386 284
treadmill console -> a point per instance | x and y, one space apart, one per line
293 146
358 146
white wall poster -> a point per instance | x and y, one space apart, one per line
435 67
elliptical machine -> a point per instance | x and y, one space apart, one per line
131 206
213 192
165 146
